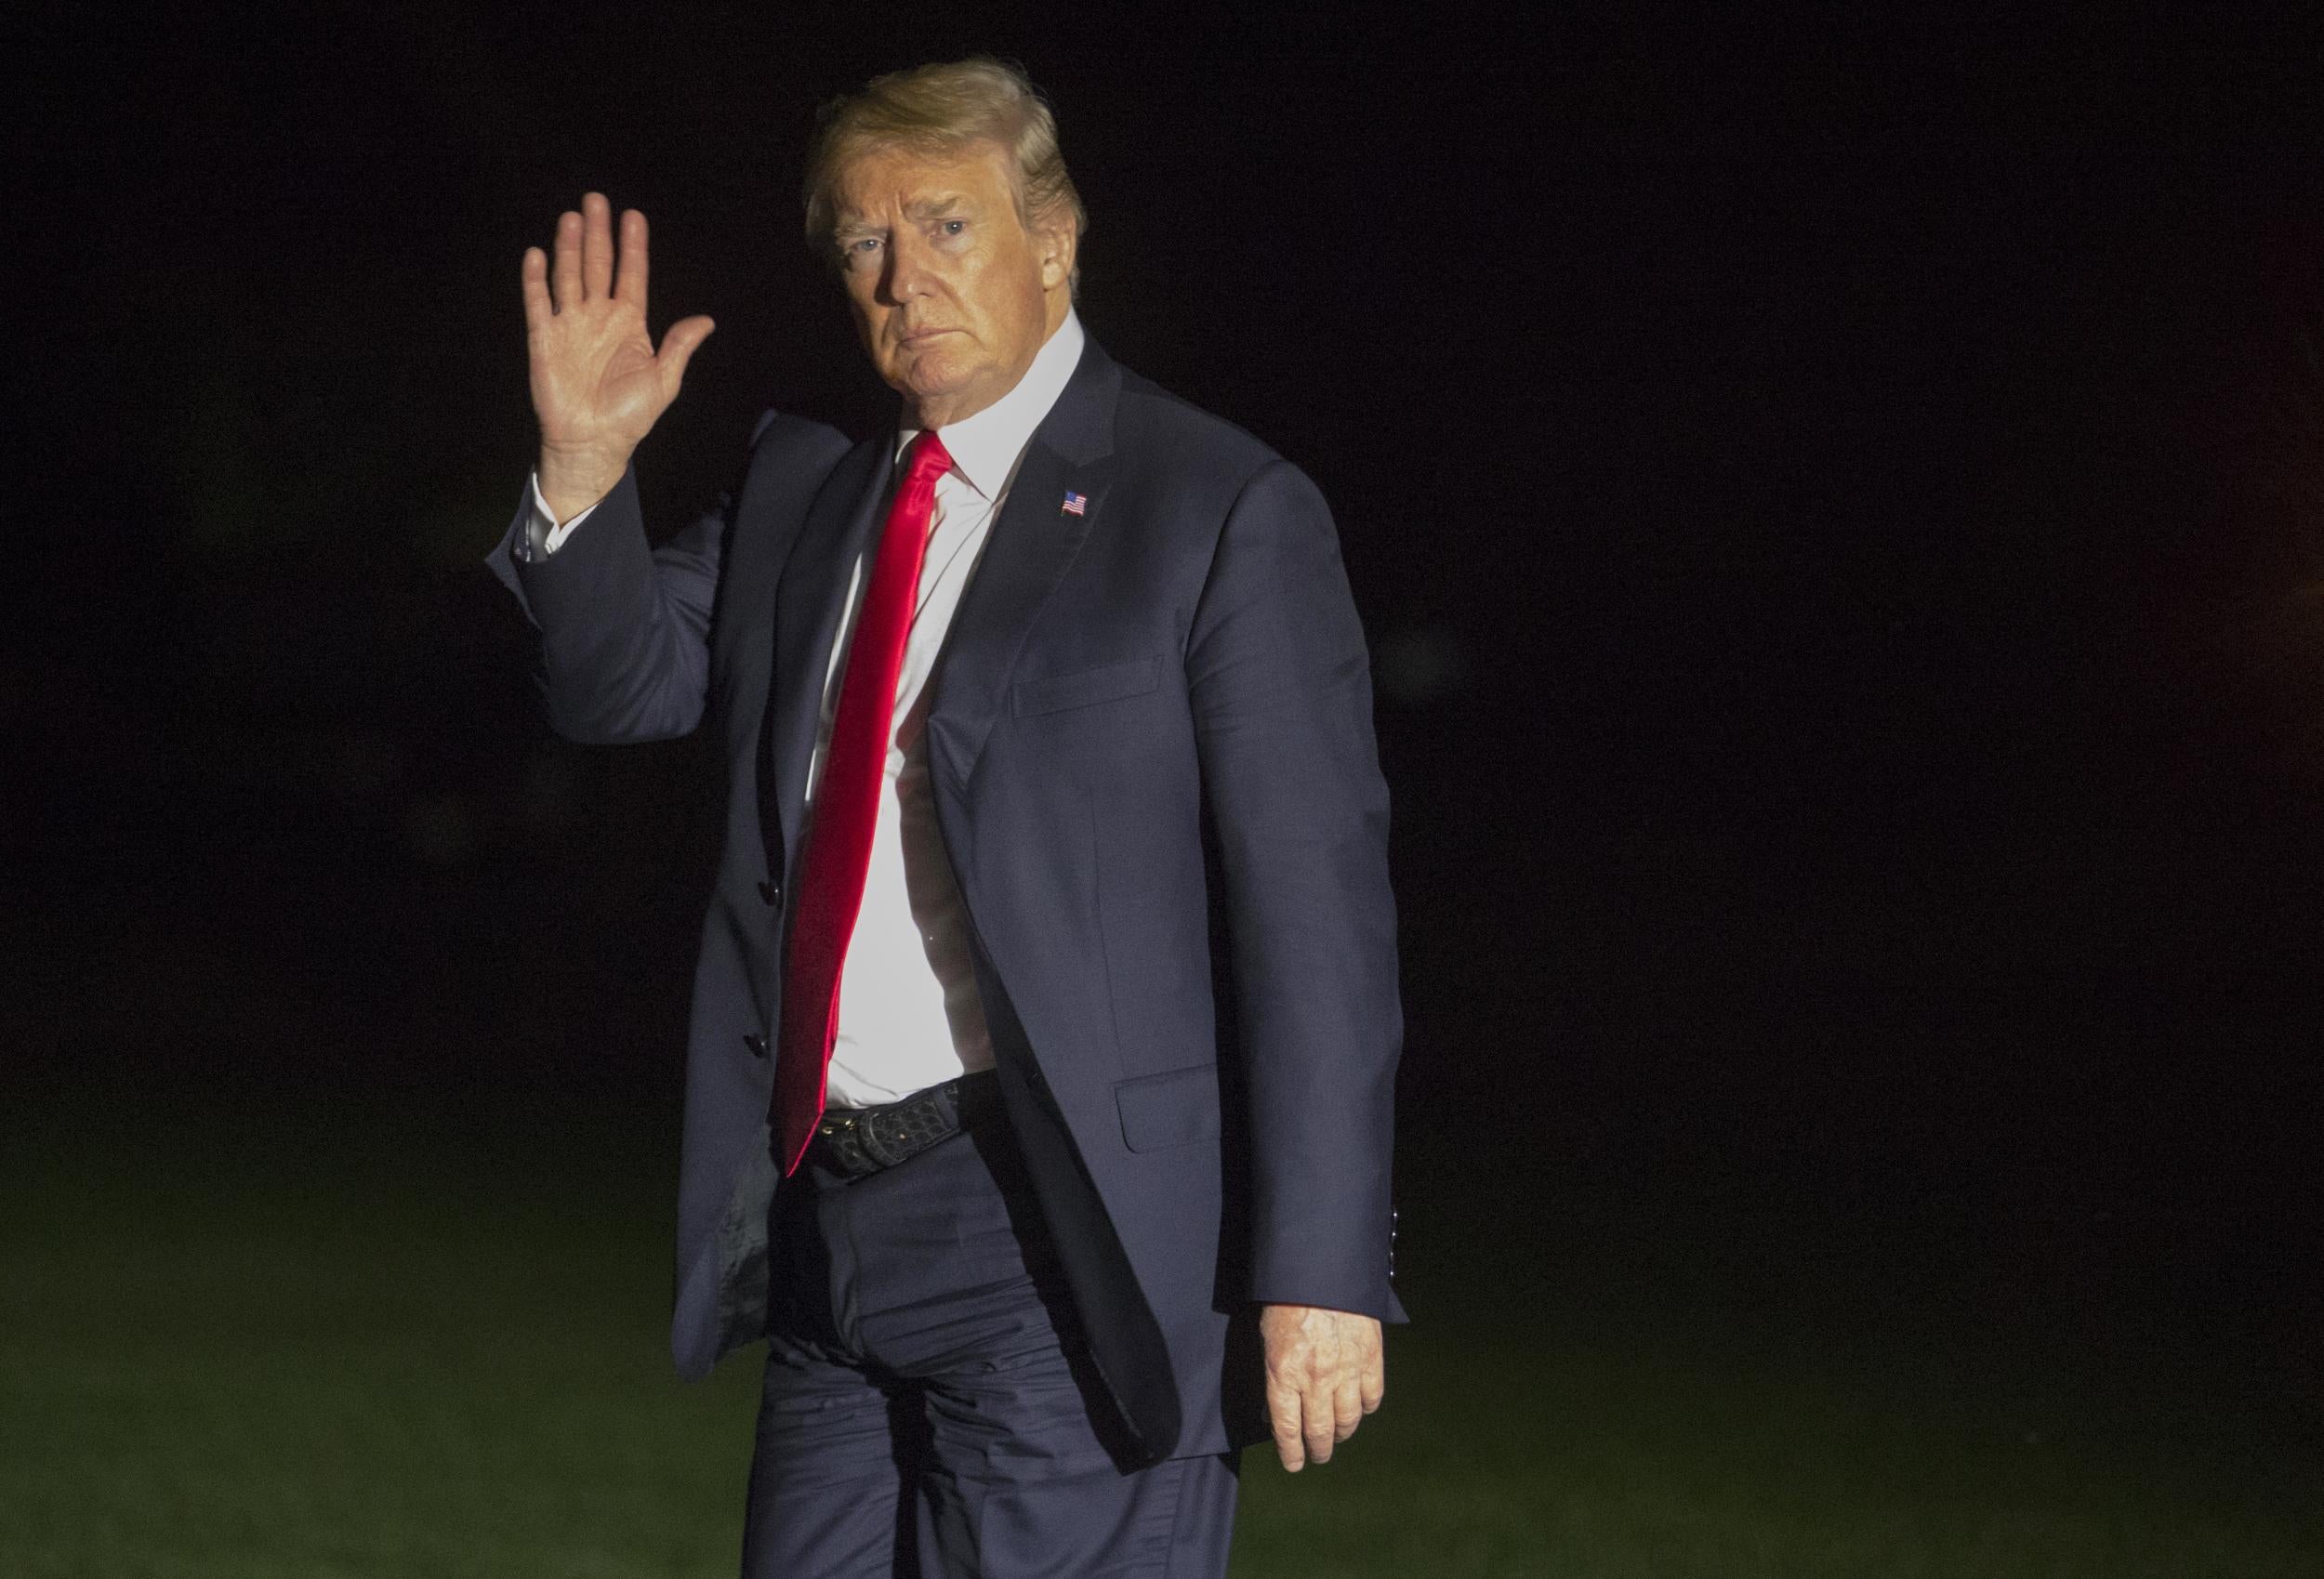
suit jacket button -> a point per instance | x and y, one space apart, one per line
756 1043
771 892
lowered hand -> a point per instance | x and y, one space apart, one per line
1325 1372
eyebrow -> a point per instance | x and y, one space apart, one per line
942 206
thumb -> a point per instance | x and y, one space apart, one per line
678 345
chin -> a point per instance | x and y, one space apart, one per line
916 375
940 375
932 386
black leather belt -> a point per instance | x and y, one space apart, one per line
855 1141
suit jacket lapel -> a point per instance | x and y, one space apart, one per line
1027 554
808 605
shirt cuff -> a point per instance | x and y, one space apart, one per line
543 536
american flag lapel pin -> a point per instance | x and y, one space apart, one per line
1075 504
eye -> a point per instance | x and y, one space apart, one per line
954 226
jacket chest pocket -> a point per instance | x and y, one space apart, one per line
1085 687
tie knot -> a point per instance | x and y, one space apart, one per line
928 459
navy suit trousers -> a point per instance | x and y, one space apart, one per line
929 1408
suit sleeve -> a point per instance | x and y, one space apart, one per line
1281 690
624 651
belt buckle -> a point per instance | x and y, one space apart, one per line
843 1141
883 1149
868 1140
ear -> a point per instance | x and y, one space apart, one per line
1056 240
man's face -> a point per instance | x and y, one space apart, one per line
953 294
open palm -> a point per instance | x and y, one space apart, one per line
599 385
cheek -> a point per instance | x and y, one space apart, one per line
989 287
870 321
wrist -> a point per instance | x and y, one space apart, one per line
571 480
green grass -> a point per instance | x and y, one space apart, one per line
374 1368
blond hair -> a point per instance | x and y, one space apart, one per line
944 108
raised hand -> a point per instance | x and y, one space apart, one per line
598 384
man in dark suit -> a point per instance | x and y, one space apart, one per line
1040 1074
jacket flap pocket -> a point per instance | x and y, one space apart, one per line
1109 683
1176 1108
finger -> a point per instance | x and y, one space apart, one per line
1373 1385
1283 1418
629 280
1347 1409
597 246
678 345
1316 1427
534 278
566 276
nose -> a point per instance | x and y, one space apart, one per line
905 276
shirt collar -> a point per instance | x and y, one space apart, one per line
984 448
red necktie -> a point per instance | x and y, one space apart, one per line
847 807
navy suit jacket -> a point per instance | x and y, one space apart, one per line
1151 746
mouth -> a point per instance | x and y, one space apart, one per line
921 336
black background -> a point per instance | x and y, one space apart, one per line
1835 503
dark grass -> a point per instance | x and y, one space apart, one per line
340 1343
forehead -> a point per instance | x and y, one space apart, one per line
882 180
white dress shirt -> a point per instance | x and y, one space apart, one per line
909 1013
